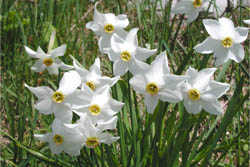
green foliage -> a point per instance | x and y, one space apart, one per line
169 137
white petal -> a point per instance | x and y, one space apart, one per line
42 92
110 124
53 69
241 34
161 63
61 65
65 66
43 137
211 104
94 27
90 129
120 68
74 140
182 7
82 111
132 37
203 77
121 21
44 106
138 67
76 99
236 53
70 81
113 56
213 28
207 46
143 53
172 96
62 112
56 125
38 66
58 51
192 73
55 149
115 105
138 83
121 33
81 71
246 21
30 52
227 26
193 107
109 81
192 16
98 17
151 102
75 145
172 81
96 67
117 44
40 53
104 42
107 138
217 89
222 56
102 96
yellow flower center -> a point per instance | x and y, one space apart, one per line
91 85
58 139
125 56
197 3
109 28
94 109
58 97
92 142
48 62
152 88
227 42
194 94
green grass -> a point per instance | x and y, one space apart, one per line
169 137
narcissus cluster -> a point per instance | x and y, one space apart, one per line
87 93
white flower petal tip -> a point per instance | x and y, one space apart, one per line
59 51
246 22
199 91
69 82
30 52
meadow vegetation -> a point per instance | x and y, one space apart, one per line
168 137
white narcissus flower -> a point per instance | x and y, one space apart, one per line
224 41
63 138
157 83
201 92
62 101
49 61
105 25
93 78
189 7
100 105
126 54
93 134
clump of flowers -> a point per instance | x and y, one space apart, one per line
87 93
